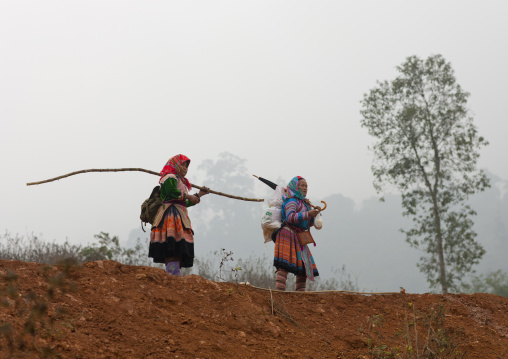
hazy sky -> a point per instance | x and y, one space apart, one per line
110 84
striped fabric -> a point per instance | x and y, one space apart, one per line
301 283
295 212
174 221
171 226
170 239
288 254
280 279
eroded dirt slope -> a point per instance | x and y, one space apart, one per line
108 310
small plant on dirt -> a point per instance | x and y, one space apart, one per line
226 256
278 308
374 339
410 349
33 314
441 342
236 271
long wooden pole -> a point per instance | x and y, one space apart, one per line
139 170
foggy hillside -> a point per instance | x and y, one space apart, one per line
366 240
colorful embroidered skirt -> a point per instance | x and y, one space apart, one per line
171 239
288 253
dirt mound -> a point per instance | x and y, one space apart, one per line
105 309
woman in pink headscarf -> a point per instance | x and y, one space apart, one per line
172 237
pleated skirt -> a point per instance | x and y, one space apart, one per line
170 239
288 253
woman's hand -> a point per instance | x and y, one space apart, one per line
313 212
193 199
204 191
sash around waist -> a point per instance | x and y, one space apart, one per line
294 229
175 201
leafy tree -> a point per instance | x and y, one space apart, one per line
228 173
222 219
427 148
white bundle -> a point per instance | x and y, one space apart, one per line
270 221
271 218
318 221
276 199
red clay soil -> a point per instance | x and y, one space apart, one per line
105 309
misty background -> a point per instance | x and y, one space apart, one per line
276 86
365 240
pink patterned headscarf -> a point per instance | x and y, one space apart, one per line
173 166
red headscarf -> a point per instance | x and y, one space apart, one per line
173 166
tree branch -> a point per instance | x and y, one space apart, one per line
139 170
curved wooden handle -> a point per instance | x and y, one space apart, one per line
319 208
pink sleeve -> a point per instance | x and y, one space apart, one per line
291 215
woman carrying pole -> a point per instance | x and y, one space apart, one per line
172 237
